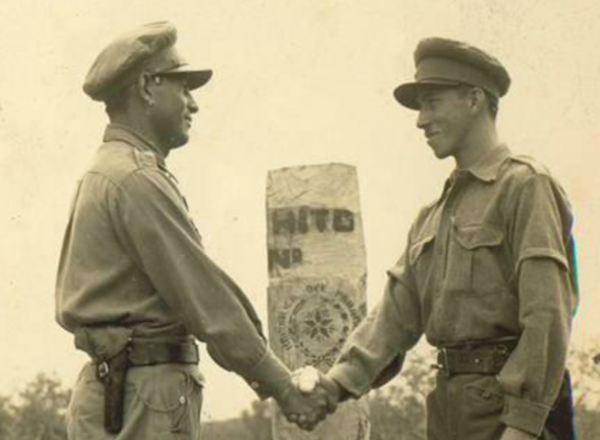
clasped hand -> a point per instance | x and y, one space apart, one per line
310 399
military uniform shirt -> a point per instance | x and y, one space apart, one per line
490 259
132 257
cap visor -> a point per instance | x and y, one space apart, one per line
406 94
195 78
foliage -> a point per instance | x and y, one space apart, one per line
585 376
5 417
254 424
398 410
38 414
257 421
585 379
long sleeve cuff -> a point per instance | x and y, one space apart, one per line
351 379
525 415
269 377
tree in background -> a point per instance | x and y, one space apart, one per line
38 412
254 424
5 417
398 409
585 376
257 421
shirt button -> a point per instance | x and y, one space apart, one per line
254 385
182 400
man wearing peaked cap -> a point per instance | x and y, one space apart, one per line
150 48
446 62
488 273
135 285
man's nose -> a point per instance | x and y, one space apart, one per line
423 120
192 106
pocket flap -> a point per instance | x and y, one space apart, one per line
417 248
475 236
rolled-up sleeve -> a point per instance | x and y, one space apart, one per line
375 350
540 240
153 223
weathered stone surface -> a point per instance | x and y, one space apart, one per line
317 273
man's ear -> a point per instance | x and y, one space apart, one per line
144 88
476 99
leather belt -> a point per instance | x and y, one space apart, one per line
474 359
148 353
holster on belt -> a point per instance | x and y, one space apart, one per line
114 351
109 347
112 373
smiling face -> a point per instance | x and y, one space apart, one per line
171 113
446 118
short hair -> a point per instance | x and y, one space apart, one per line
118 101
493 103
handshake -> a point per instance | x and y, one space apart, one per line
311 397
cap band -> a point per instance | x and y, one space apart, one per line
445 69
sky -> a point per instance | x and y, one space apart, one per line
295 83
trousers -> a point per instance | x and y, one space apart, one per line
162 402
467 407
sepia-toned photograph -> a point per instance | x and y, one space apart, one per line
299 220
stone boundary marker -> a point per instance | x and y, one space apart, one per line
317 281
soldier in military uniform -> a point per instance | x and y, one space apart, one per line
135 285
487 273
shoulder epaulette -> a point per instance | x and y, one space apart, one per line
532 163
145 159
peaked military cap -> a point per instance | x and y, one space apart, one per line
441 61
150 47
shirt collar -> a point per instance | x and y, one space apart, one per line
488 166
485 169
120 132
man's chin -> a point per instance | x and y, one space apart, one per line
179 141
439 153
436 148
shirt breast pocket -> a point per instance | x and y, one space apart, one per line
476 263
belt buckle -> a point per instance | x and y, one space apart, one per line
501 349
102 370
